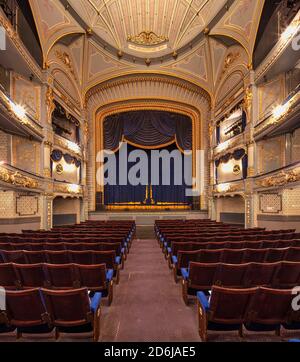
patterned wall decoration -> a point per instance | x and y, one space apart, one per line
27 94
27 205
26 154
270 203
7 202
291 201
270 95
271 154
4 146
296 146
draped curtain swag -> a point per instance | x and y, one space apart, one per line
57 155
148 129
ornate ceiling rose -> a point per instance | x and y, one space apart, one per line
147 38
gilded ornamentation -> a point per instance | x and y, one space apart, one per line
66 60
229 60
50 103
147 38
248 101
280 179
17 179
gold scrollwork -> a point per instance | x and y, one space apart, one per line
147 38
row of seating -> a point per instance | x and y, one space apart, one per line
233 256
255 309
108 258
69 276
202 276
264 244
41 311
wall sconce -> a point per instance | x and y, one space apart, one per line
74 189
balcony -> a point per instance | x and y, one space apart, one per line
285 118
14 120
13 177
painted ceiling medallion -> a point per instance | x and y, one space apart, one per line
147 38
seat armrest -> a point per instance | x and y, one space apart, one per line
174 259
118 260
202 299
185 273
109 275
95 302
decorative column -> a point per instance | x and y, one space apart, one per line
47 211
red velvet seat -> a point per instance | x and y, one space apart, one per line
32 275
210 256
268 310
226 310
14 257
58 257
27 312
62 276
96 279
260 274
293 254
287 275
73 312
230 275
275 255
81 257
232 256
36 257
54 246
9 278
254 255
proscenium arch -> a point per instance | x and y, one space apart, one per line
145 92
160 105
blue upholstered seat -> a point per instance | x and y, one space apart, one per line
109 274
118 260
185 273
174 259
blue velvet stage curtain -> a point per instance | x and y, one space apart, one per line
148 129
173 194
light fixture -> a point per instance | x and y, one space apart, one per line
281 110
74 189
69 167
18 110
290 31
73 146
227 167
223 187
223 146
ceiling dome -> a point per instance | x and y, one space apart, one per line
147 28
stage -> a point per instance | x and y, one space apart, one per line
147 218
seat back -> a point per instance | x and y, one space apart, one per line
105 257
210 256
81 257
92 277
234 256
254 255
61 276
202 275
230 306
14 257
36 257
260 274
230 275
26 308
68 308
275 255
58 257
270 306
287 275
293 254
31 275
8 276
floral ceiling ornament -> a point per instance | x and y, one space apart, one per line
147 38
65 58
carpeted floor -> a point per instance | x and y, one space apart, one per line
148 306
